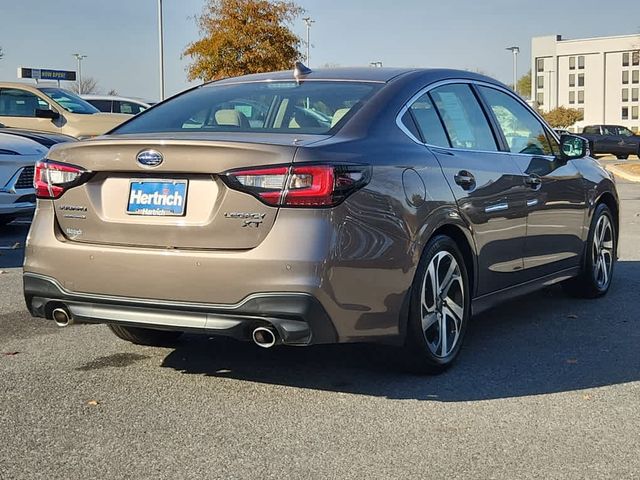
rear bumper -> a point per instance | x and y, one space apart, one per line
298 317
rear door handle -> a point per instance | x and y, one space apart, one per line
465 179
533 181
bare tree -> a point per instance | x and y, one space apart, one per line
89 86
1 53
113 92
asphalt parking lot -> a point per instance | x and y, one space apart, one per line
546 387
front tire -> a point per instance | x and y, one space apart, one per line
595 278
146 336
440 308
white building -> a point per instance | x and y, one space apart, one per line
600 76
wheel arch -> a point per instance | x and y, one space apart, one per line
463 238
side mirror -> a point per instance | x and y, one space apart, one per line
46 113
574 147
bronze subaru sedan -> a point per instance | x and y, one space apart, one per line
329 206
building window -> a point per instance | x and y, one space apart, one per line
636 76
634 129
581 96
625 113
540 81
636 58
572 80
634 113
540 64
625 77
581 110
625 94
581 63
581 79
634 94
540 99
572 63
625 59
572 97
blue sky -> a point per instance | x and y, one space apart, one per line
120 36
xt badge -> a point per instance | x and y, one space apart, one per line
248 219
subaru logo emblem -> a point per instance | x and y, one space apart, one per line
149 158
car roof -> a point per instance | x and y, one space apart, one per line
115 97
358 74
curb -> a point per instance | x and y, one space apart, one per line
620 172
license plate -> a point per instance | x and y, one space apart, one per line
157 198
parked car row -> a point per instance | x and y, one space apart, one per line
612 139
115 104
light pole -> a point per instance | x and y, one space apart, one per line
515 51
79 58
161 49
308 21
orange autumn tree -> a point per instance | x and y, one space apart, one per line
244 36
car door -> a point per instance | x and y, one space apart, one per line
555 199
18 109
486 183
628 140
612 141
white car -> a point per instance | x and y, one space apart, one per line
114 104
18 156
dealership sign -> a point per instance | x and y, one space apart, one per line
46 74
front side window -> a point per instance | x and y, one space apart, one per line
69 101
428 122
312 107
625 132
465 122
15 102
522 130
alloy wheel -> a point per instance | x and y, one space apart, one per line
602 252
442 304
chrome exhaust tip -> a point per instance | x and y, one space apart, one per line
61 317
264 337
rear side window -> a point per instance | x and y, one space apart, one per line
129 108
427 120
102 105
464 120
312 107
594 130
521 129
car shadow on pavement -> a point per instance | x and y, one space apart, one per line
544 343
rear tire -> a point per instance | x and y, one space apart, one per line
440 302
146 336
598 266
622 157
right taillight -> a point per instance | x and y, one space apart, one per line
317 185
51 179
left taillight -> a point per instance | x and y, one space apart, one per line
52 179
311 185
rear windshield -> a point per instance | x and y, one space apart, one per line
313 107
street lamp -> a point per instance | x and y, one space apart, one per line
79 58
308 21
161 49
515 51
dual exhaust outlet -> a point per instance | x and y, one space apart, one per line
264 337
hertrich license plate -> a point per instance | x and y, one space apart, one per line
157 198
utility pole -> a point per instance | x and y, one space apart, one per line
308 21
161 48
515 51
79 58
